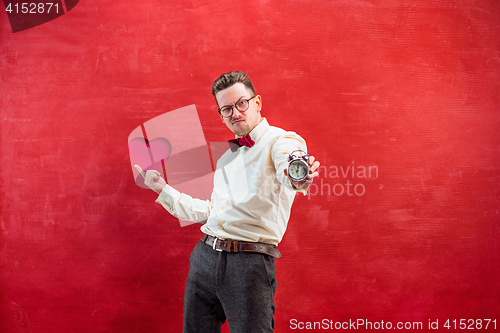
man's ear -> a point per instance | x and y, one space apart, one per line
220 115
258 101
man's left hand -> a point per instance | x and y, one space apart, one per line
304 185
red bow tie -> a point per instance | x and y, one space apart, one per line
246 141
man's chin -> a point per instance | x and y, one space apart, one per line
240 131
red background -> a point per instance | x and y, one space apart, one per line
411 87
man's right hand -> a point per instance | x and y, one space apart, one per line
152 179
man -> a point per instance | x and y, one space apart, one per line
231 270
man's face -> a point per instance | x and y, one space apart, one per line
240 123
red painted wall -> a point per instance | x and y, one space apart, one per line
408 90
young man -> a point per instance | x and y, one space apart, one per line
231 270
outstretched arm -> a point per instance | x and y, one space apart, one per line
178 204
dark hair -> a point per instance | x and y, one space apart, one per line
226 80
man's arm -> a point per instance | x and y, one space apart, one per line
180 205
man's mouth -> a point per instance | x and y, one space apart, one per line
237 121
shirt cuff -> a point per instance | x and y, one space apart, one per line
167 197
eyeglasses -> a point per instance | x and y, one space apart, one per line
242 105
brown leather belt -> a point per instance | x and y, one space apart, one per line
237 246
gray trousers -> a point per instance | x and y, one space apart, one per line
237 287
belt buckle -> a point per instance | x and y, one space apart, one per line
213 245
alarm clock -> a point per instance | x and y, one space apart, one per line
298 166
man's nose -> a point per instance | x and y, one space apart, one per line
236 112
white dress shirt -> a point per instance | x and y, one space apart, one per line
252 197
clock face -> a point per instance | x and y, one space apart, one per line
298 170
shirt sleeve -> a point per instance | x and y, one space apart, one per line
282 148
183 206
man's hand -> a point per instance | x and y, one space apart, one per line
152 179
304 185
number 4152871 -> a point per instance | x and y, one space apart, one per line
470 324
32 8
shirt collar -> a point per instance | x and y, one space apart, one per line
258 130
